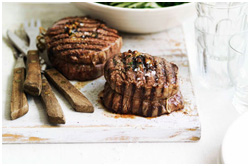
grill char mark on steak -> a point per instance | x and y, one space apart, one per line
91 41
141 85
77 45
90 30
143 107
84 55
84 35
81 25
87 41
154 74
85 20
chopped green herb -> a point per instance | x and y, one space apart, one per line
63 82
130 63
142 5
114 61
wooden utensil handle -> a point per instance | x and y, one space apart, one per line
52 106
19 104
77 100
33 81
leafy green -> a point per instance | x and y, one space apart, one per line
141 5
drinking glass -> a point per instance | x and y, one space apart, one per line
238 69
214 26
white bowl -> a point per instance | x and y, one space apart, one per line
235 145
138 20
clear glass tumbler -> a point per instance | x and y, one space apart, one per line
212 56
238 69
214 26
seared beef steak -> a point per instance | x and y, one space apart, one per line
80 46
140 73
76 71
139 106
141 84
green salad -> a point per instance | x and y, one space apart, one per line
142 5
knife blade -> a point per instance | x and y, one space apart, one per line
19 43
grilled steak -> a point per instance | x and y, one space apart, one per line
141 75
141 84
79 72
139 106
80 46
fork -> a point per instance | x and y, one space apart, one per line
33 81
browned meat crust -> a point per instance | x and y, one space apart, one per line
141 84
139 106
81 41
79 72
140 73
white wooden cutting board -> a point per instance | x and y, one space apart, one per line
103 126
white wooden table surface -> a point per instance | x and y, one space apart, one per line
215 109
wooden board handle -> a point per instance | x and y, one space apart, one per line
33 81
52 106
77 100
19 104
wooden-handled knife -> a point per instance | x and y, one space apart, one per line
18 99
19 104
77 100
51 104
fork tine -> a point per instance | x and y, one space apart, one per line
25 24
32 23
38 23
